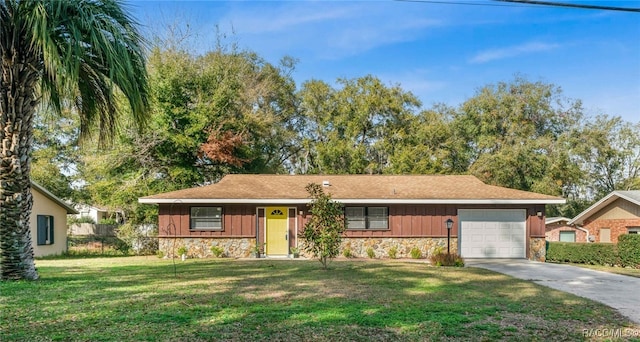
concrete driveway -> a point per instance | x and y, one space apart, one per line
617 291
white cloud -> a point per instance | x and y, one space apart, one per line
512 51
364 35
329 30
283 19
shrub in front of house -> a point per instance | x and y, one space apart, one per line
371 253
217 251
416 253
444 259
322 234
393 252
347 253
582 253
629 250
138 239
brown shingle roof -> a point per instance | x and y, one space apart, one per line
395 188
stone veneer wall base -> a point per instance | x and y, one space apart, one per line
381 246
201 247
241 247
537 249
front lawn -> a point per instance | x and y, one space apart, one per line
145 298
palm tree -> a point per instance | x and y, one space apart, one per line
80 54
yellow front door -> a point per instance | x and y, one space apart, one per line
277 231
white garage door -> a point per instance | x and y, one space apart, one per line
492 233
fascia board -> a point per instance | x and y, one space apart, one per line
345 201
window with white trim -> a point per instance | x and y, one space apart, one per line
367 217
205 218
633 230
567 236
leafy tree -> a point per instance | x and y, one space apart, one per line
80 53
519 135
227 111
609 151
232 98
428 144
606 150
353 129
116 177
55 155
323 232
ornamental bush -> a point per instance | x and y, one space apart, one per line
217 251
371 253
323 232
393 252
416 253
583 253
444 259
347 252
141 239
629 250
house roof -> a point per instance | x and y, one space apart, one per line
54 198
282 189
82 206
632 196
550 220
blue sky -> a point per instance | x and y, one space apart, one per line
441 52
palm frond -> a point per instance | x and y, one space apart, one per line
91 51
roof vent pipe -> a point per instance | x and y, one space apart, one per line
326 183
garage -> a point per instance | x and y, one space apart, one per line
492 233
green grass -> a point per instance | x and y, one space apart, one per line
633 272
146 298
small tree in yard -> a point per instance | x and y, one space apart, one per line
323 233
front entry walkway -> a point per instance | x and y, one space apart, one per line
617 291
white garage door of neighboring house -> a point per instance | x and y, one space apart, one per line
492 233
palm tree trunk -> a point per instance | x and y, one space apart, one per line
18 101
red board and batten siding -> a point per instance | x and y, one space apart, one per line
404 221
429 220
238 221
414 221
535 224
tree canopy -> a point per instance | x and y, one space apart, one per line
230 111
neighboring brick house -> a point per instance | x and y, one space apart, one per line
559 229
405 212
616 214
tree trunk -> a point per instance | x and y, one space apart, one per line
18 101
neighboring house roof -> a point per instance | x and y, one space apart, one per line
632 196
282 189
551 220
82 207
89 207
54 198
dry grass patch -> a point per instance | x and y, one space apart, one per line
632 272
